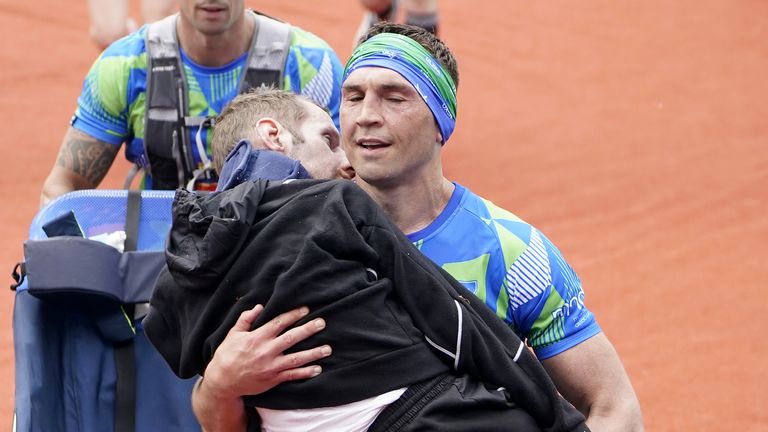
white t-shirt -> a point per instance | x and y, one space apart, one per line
354 417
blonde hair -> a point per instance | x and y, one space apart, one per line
238 119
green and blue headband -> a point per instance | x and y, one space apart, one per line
411 60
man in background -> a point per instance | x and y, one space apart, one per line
158 90
420 13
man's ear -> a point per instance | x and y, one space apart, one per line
269 131
438 134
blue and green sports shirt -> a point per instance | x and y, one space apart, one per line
513 268
111 105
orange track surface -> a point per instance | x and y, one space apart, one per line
634 134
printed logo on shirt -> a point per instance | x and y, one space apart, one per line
573 305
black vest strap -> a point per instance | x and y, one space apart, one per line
167 159
167 124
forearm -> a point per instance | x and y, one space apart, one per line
619 417
250 362
615 407
215 412
591 377
82 163
59 182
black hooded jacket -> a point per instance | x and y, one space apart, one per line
393 317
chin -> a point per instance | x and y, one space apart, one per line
211 30
378 180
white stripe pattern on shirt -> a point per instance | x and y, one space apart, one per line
320 88
530 274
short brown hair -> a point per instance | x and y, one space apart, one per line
429 41
238 119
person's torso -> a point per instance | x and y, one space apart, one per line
112 104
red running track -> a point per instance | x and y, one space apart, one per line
634 134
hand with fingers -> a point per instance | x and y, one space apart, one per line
251 362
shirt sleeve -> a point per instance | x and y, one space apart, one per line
102 107
314 70
548 300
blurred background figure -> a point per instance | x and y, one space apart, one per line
110 19
421 13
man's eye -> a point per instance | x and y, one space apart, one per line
329 140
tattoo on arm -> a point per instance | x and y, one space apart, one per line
87 156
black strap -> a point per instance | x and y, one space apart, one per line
125 386
18 274
166 141
132 213
170 159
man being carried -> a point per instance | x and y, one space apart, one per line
283 123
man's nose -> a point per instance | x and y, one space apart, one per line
369 112
346 171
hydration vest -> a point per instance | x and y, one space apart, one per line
167 123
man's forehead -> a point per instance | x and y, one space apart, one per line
316 113
375 76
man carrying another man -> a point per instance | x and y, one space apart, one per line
327 245
397 110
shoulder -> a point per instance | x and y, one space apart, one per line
525 253
120 68
120 59
475 230
314 70
530 259
129 47
310 51
304 39
511 232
